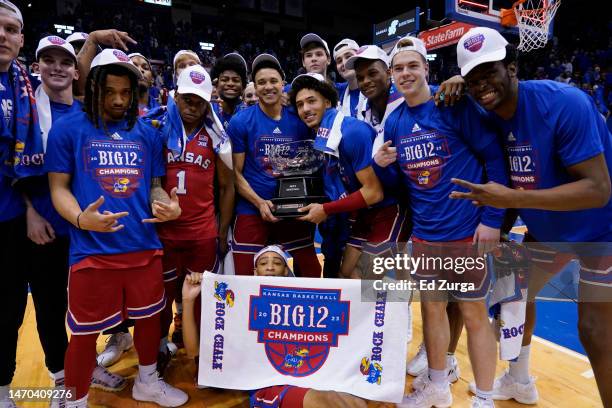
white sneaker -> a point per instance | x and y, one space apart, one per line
158 391
506 387
438 396
480 403
7 402
452 369
116 344
418 363
103 379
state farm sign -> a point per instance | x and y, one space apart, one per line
445 35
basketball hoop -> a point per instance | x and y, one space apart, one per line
533 18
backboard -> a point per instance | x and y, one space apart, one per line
479 12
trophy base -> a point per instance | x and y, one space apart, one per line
288 207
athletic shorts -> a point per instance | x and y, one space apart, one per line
279 396
252 233
452 267
184 256
376 229
595 259
100 298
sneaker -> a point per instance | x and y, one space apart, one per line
418 363
164 357
438 396
506 388
116 344
177 334
452 369
481 403
103 379
7 402
58 402
158 391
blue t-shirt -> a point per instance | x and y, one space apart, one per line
435 145
353 96
41 200
11 203
254 133
224 116
556 126
118 165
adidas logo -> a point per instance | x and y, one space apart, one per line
511 137
277 131
416 128
116 136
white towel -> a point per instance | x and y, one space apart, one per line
221 142
509 319
345 107
335 135
43 106
364 113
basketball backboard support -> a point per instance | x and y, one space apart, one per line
480 12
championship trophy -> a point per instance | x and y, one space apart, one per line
297 165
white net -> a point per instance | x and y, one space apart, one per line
533 20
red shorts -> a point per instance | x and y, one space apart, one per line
184 256
251 234
375 229
462 269
279 396
101 298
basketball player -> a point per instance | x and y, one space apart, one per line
314 53
249 96
231 75
146 99
255 131
349 180
560 154
77 40
183 59
192 241
105 166
269 261
429 146
348 91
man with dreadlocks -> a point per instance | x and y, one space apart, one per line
105 168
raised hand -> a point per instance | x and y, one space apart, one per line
386 154
113 38
491 194
92 220
192 286
165 211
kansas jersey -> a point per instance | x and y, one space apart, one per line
193 174
11 203
255 134
433 146
554 127
117 164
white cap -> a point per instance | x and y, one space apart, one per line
271 248
54 42
417 45
314 75
137 54
8 8
312 37
347 42
185 52
77 37
480 45
266 58
196 81
112 56
369 52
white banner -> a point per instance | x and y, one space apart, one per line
314 333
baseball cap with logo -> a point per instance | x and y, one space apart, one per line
409 43
54 42
312 37
369 52
480 45
111 56
348 43
77 37
314 75
271 59
196 81
8 8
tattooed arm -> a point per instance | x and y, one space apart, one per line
163 207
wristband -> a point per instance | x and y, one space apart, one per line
352 202
78 223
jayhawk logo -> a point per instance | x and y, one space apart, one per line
424 177
223 294
296 359
372 370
